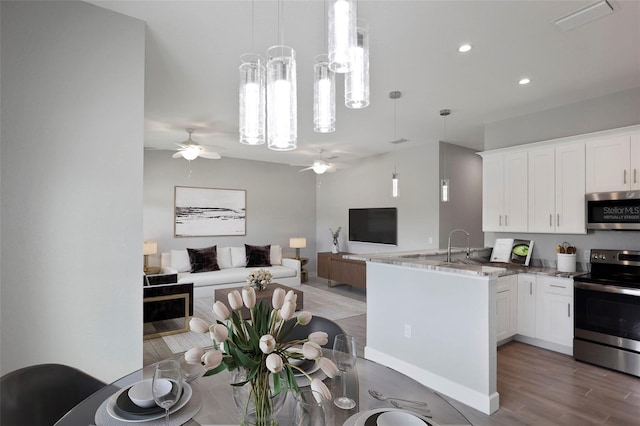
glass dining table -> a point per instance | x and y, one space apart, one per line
217 407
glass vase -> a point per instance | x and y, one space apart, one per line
256 401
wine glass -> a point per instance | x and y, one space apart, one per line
166 396
344 355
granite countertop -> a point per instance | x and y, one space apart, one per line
478 264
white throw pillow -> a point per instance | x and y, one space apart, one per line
276 255
180 260
224 258
238 257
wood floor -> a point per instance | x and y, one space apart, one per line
536 386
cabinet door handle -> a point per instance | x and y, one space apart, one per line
499 220
568 310
625 176
550 220
506 220
558 286
530 288
558 220
635 175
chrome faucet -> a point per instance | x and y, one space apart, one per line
449 244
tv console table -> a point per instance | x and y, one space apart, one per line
334 267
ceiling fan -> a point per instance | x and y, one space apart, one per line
190 150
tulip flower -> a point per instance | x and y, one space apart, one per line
274 363
235 300
304 317
198 325
221 311
194 355
212 359
311 350
267 344
219 332
288 310
249 296
321 388
319 337
291 296
278 298
328 367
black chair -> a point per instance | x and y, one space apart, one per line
42 394
316 324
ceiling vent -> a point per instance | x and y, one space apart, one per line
585 15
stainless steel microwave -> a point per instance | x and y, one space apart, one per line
613 210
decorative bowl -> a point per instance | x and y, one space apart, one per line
141 393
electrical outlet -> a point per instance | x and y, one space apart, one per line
407 331
430 240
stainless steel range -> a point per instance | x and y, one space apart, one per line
607 311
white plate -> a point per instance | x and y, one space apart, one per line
395 418
186 396
360 418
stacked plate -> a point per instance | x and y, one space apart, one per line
311 368
121 408
388 417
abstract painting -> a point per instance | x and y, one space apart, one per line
205 212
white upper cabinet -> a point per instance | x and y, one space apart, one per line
613 164
556 189
504 192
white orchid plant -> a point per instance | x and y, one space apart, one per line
259 278
260 344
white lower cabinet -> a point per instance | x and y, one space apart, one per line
526 305
554 314
506 306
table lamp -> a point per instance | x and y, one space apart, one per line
148 247
297 243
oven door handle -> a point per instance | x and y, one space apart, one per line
607 288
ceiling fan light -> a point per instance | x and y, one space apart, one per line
356 81
324 96
319 167
190 153
252 100
282 119
342 34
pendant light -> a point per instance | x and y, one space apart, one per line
324 96
342 34
251 94
395 95
356 81
444 182
282 100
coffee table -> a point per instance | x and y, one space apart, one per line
266 295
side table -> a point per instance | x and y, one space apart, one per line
304 275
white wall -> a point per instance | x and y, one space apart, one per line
368 184
71 166
606 112
280 201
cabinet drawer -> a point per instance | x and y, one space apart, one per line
561 286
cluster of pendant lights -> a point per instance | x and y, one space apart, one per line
348 53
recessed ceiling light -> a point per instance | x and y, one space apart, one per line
464 48
524 81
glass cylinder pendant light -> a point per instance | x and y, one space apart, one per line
356 81
252 110
342 34
282 120
324 96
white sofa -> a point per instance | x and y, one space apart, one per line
233 270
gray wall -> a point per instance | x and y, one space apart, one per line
280 201
71 167
606 112
463 168
368 184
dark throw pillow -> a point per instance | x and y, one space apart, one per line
203 260
258 255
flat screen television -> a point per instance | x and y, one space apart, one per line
374 225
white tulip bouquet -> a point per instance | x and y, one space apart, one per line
259 278
260 345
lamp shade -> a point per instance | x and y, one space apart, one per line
297 242
149 247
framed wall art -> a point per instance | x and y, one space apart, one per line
206 212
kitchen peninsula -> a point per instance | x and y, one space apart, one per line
435 322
